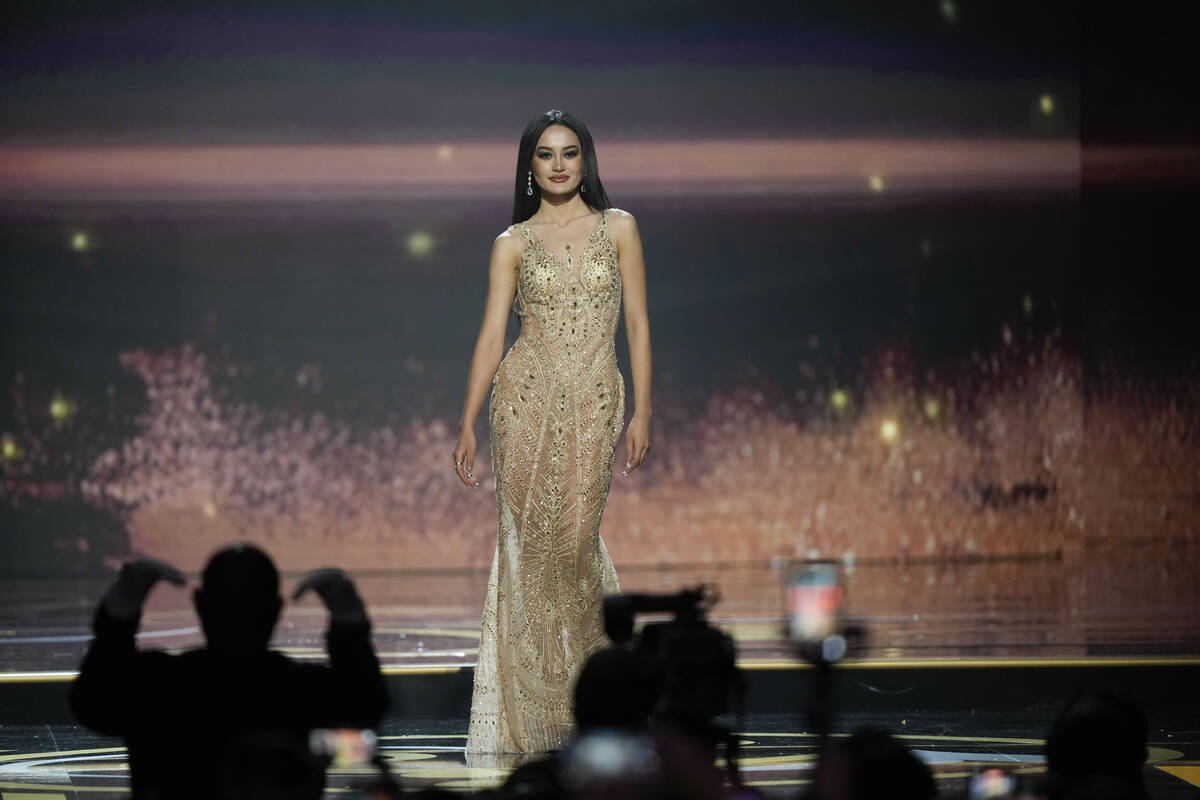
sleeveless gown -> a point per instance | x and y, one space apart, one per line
556 411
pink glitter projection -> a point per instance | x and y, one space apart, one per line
1002 453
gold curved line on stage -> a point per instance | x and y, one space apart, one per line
1050 662
60 754
998 663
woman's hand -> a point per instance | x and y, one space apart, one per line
464 457
637 443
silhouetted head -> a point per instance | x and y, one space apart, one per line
238 600
617 688
869 764
1098 734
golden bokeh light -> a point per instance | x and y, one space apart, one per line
839 399
61 408
420 244
889 430
933 408
81 242
876 182
1046 104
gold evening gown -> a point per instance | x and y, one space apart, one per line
556 411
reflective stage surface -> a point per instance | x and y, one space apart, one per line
51 762
1129 601
965 636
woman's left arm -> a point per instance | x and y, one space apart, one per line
637 330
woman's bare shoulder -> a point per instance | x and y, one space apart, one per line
510 237
622 222
508 245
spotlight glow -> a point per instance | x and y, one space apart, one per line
875 181
81 242
10 449
948 10
420 244
889 430
1027 305
839 399
61 408
1046 104
933 408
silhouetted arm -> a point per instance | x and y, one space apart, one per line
355 694
359 685
106 694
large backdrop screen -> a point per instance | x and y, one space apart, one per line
246 258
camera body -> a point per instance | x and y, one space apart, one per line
696 663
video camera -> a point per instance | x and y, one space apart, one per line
696 663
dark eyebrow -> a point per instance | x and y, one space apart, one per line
547 147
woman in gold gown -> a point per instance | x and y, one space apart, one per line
556 412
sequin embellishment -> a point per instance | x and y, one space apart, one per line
556 412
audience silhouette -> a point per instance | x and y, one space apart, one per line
618 751
232 719
869 764
1096 748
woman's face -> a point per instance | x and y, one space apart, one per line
558 161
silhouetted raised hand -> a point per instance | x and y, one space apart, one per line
124 599
337 591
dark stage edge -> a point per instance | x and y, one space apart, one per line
958 714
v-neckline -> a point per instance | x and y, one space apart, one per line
562 262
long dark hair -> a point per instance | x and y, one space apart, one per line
526 205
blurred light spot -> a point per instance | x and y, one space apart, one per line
875 181
889 431
839 399
833 647
210 509
933 408
1006 332
926 248
1046 104
1027 305
420 244
445 152
10 449
61 408
949 10
80 242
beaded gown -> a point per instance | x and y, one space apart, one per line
556 412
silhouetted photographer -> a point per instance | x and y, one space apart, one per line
232 719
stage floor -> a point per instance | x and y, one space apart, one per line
55 762
1130 602
968 660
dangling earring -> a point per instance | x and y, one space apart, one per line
529 184
582 188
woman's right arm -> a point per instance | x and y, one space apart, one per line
489 347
